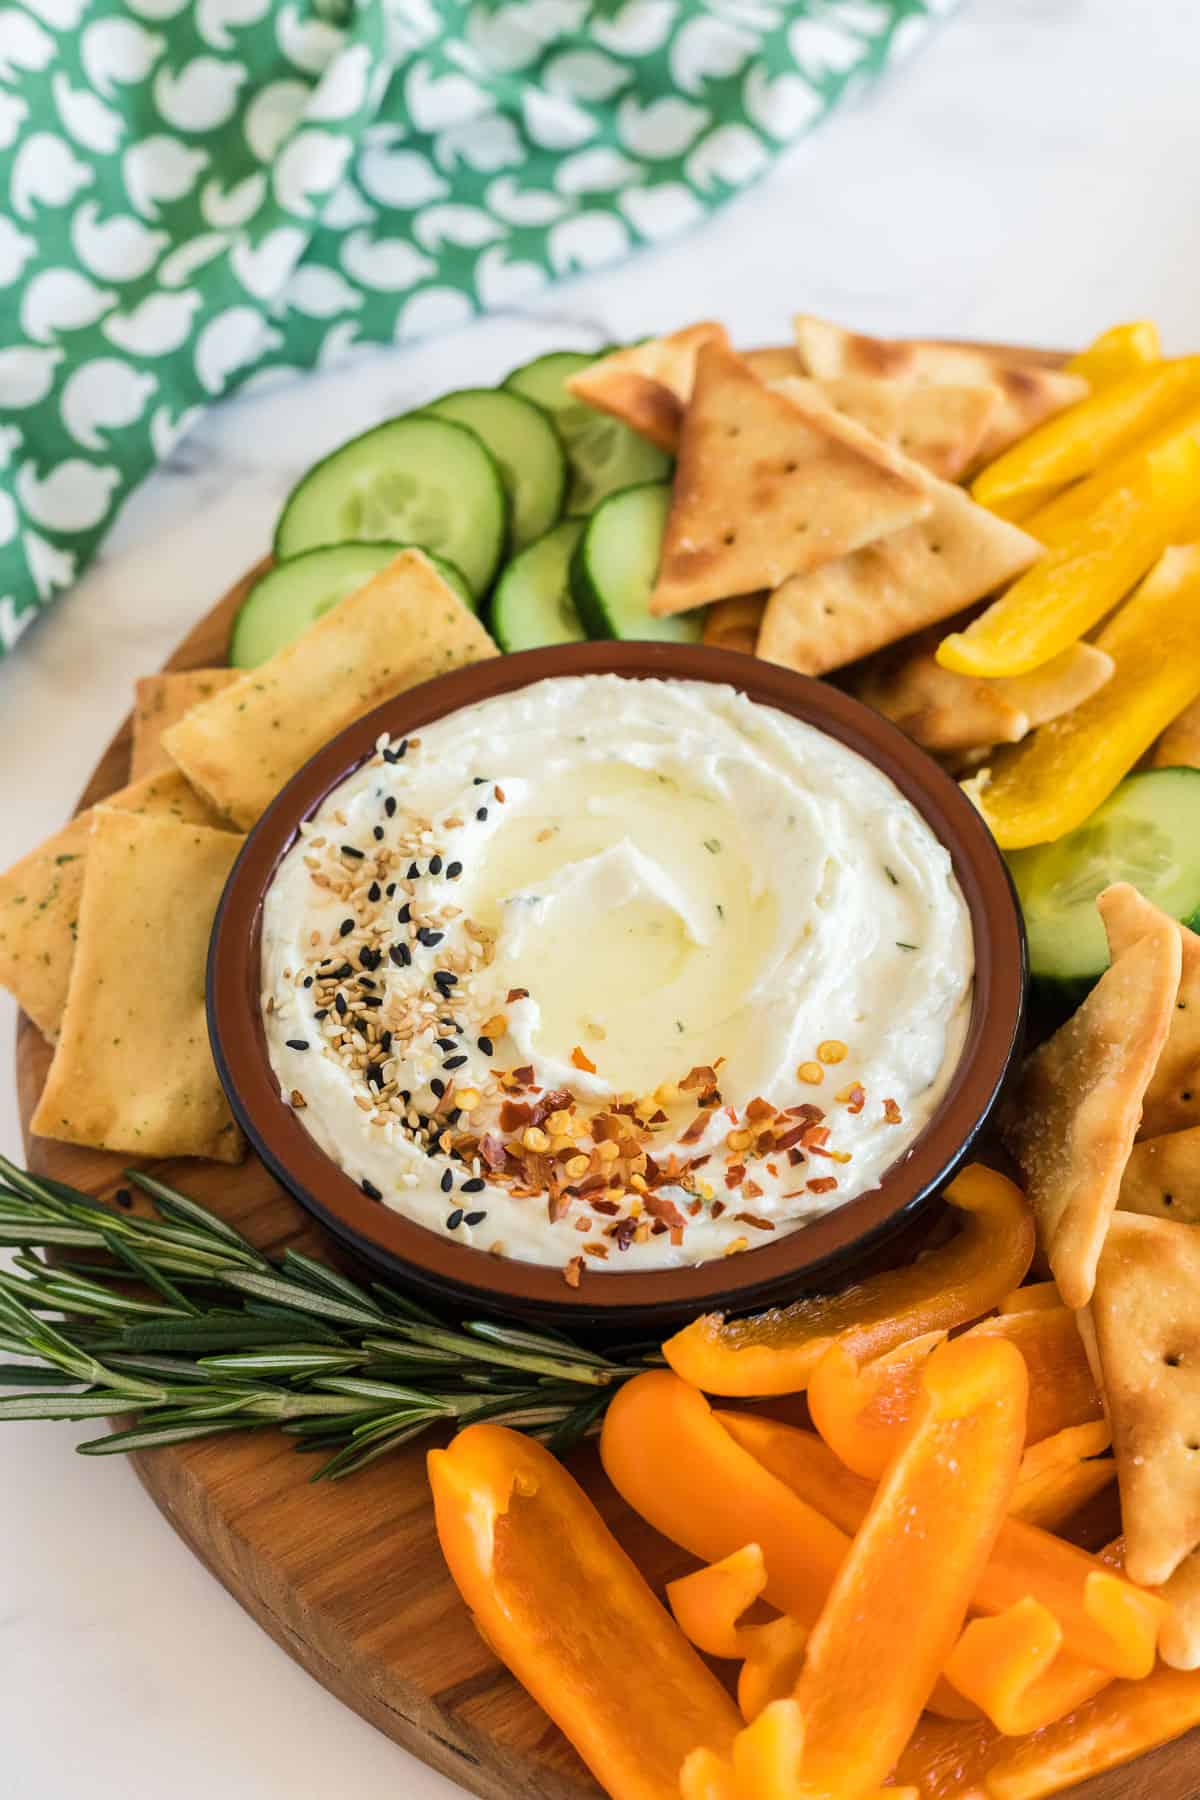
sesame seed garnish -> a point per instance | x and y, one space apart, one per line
401 955
437 1087
453 871
474 1218
444 978
385 1041
346 927
391 756
413 872
369 959
339 1002
377 834
455 1219
447 1180
322 1012
479 780
308 981
454 1062
404 916
341 974
446 1043
390 889
369 1189
389 806
349 850
429 937
486 1045
372 999
435 865
374 892
481 813
302 1044
476 1185
374 1074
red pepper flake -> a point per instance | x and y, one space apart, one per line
702 1076
760 1109
858 1098
697 1127
658 1229
815 1136
623 1234
718 1207
524 1075
666 1211
498 791
558 1205
818 1150
492 1149
752 1190
735 1175
892 1113
791 1137
516 994
748 1218
677 1235
822 1184
557 1100
807 1114
795 1158
772 1170
600 1250
514 1113
573 1272
608 1207
582 1060
657 1118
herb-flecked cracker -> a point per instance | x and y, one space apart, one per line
39 896
132 1070
159 701
403 627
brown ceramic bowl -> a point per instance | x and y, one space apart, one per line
831 1248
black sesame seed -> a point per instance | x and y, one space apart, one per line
390 889
437 1087
349 850
374 892
374 1075
446 1043
401 955
322 1012
369 1189
341 974
377 834
479 780
447 1180
402 747
389 806
308 981
455 1219
405 1095
452 1118
346 927
435 865
475 1218
405 913
370 959
481 813
372 999
364 981
297 1043
486 1045
385 1041
454 1062
413 872
453 871
339 1001
390 756
476 1185
429 937
444 981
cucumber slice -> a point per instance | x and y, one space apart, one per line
605 455
615 564
415 480
532 604
286 600
1147 832
528 451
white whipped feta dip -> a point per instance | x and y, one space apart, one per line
606 885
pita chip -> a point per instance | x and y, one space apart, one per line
908 580
1146 1317
159 701
39 896
939 425
648 386
1179 1639
1179 745
1172 1101
766 488
403 627
1029 394
132 1070
1072 1119
733 624
774 362
1162 1177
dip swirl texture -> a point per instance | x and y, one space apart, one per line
613 974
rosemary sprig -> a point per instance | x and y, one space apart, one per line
194 1331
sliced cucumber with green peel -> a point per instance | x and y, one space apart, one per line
615 564
528 451
415 480
604 454
1147 832
532 604
288 598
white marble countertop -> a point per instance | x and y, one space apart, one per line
1030 177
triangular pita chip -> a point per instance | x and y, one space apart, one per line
1172 1101
1146 1316
1179 745
1029 393
907 580
648 385
774 361
1179 1639
766 489
1071 1121
939 425
733 624
1162 1177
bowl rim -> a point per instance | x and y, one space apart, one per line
438 1263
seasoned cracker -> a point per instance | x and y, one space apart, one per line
161 700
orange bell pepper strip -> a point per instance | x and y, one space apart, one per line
1070 588
1119 351
1061 1473
1038 790
929 1532
1125 1720
1062 1388
775 1655
766 1764
1106 1620
671 1459
777 1351
1073 443
1011 1666
709 1603
562 1605
1035 1296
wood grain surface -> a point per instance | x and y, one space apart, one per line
348 1577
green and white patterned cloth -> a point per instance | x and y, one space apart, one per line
192 191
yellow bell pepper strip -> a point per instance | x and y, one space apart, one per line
1011 1666
1056 520
1070 588
708 1603
671 1459
1071 445
1125 1720
927 1536
1040 789
1106 1620
1119 351
776 1352
562 1605
1062 1473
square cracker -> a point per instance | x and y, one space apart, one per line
39 896
648 386
767 488
909 579
1028 394
1179 1639
1162 1177
133 1070
159 701
939 424
1146 1317
1072 1119
403 627
1172 1100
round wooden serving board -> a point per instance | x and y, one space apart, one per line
348 1576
